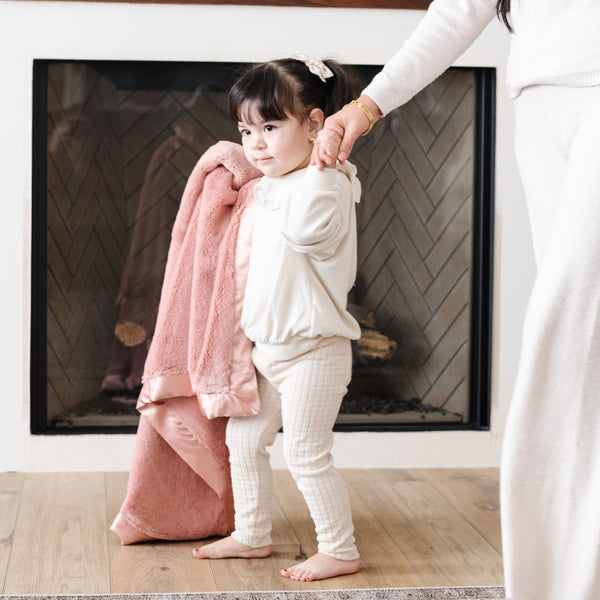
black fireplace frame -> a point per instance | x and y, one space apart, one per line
482 252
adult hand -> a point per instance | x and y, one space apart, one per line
341 130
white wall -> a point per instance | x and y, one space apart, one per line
71 30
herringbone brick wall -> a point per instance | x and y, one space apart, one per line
415 250
86 234
117 164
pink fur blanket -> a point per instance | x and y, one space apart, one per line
198 336
199 370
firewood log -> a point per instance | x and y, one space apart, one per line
374 345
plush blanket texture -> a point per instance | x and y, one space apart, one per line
198 370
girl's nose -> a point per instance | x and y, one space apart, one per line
258 142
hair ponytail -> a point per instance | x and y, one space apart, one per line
344 86
502 10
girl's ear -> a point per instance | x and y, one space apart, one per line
316 118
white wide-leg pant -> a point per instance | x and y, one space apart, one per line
550 476
304 395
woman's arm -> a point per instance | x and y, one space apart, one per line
447 30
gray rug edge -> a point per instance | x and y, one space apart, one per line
431 593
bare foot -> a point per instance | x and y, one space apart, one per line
230 548
321 566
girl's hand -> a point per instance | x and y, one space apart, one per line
326 148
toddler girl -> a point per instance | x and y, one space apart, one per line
302 265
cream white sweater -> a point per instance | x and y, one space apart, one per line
555 42
303 260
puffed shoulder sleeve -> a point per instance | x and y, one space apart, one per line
317 216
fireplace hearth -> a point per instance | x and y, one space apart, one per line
114 143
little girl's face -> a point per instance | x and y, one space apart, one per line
276 147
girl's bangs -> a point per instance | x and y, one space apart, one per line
268 98
253 110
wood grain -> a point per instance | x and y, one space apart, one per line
59 544
11 487
383 561
475 494
439 543
414 528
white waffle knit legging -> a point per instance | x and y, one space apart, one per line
304 395
550 475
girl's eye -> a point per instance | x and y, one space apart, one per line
269 127
245 132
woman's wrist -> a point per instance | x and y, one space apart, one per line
371 106
369 109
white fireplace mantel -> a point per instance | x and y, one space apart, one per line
87 30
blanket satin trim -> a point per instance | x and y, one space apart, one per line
241 403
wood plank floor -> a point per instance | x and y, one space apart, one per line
414 528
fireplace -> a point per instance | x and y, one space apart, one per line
114 142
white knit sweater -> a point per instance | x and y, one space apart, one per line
303 260
555 42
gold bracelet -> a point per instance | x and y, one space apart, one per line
366 112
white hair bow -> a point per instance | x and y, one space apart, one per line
315 66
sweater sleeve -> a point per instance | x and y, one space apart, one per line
447 30
316 218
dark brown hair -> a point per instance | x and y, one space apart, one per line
502 10
284 88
